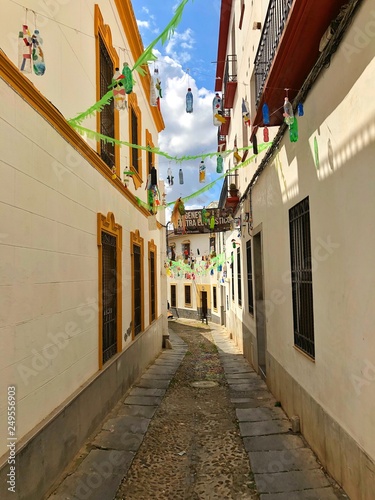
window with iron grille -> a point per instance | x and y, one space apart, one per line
153 285
249 278
109 296
239 282
107 115
302 290
173 296
137 289
134 139
232 267
187 295
214 297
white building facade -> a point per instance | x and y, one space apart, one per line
305 319
82 278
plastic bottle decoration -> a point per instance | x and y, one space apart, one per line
170 176
114 174
39 65
153 96
189 101
24 49
178 213
158 84
204 216
266 136
181 176
125 178
119 95
236 156
202 172
128 78
266 114
246 112
219 164
218 118
300 109
288 112
212 222
293 131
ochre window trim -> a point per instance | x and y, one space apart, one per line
152 248
135 239
108 224
133 105
104 32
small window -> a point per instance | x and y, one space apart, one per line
214 297
134 140
173 296
302 289
188 295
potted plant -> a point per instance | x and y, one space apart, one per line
233 191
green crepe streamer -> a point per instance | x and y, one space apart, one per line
165 35
261 147
92 134
98 106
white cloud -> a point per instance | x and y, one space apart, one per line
143 24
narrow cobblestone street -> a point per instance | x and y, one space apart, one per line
193 448
189 429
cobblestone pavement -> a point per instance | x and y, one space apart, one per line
192 428
193 448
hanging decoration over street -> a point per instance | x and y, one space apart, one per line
170 176
218 118
189 101
300 109
202 172
24 50
119 94
266 114
236 156
288 111
245 112
181 176
39 65
219 164
266 136
155 89
178 213
153 194
293 130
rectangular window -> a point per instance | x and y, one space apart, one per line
149 161
212 245
214 297
134 140
188 295
173 296
107 115
249 278
185 248
239 283
109 295
302 290
137 289
232 267
152 285
242 13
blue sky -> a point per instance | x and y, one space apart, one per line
185 61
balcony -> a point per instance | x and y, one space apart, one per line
288 50
230 81
224 128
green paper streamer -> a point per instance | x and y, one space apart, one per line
165 35
98 106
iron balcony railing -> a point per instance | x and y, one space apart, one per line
274 24
230 72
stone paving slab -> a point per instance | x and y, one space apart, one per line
264 427
156 376
97 478
162 370
263 462
273 442
233 377
143 400
316 494
259 414
127 423
127 441
255 387
153 383
146 391
282 482
137 411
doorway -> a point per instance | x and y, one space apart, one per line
259 304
